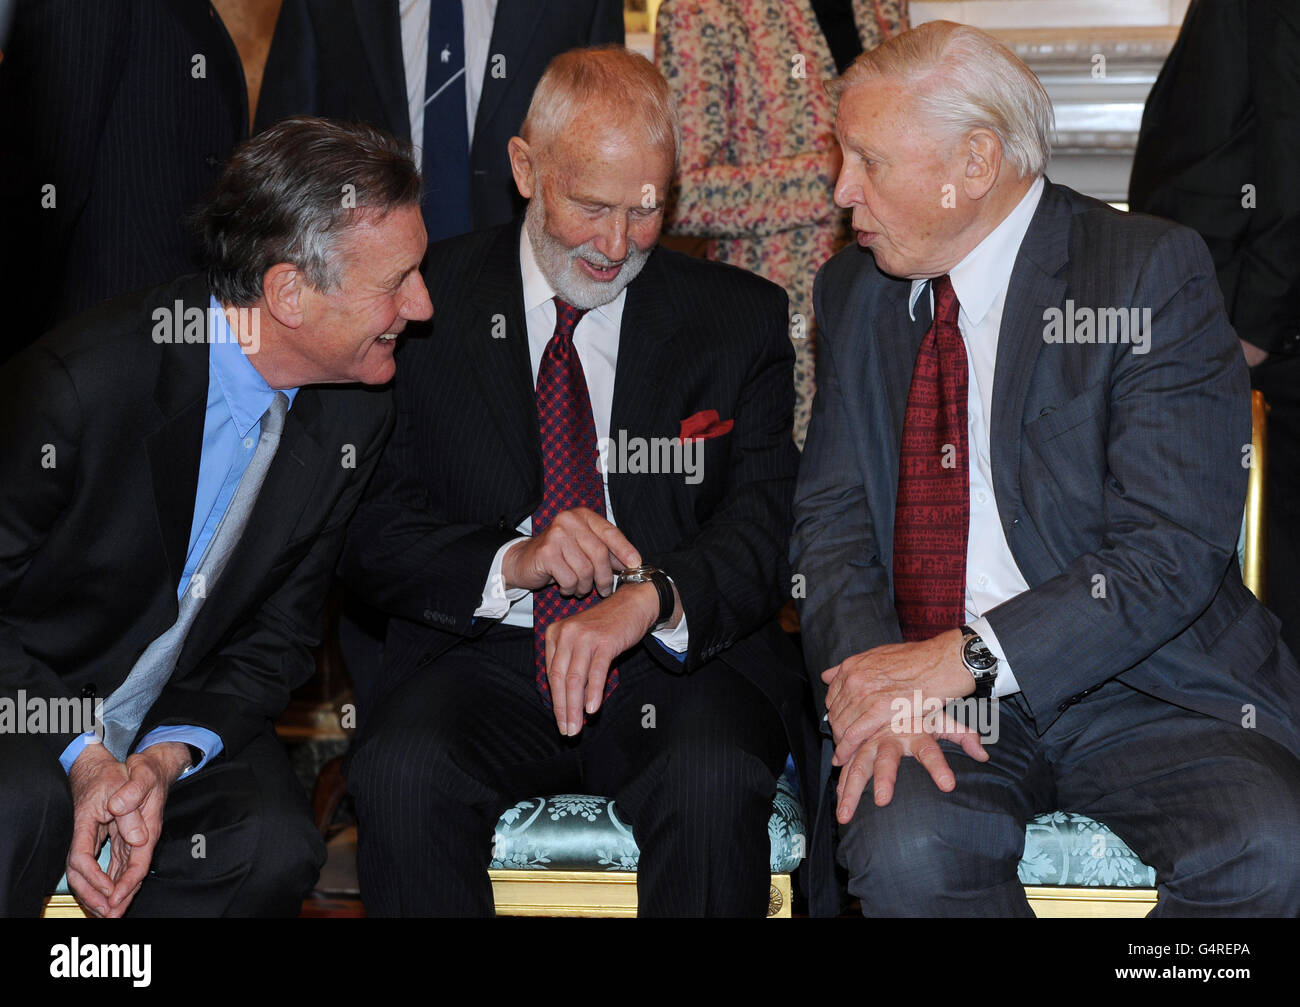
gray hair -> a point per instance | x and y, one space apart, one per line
964 79
625 81
288 193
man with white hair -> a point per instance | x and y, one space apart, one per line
1023 483
579 532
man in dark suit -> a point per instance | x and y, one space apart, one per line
511 498
459 74
1032 500
173 496
126 113
1219 143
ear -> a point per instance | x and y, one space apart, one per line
521 166
284 290
983 162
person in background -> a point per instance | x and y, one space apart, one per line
1218 151
126 113
452 76
758 159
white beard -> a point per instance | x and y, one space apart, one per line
559 265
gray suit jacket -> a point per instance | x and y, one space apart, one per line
1105 461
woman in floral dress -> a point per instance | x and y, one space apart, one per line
758 159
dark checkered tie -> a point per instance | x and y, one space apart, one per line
932 518
570 469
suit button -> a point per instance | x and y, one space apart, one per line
88 691
501 523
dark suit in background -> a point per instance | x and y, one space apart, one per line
1165 705
343 59
458 732
91 551
111 104
1224 115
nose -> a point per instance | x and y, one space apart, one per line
848 190
417 305
612 242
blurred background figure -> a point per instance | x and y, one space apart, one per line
118 118
758 158
452 76
1218 151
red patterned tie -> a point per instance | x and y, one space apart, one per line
570 469
932 518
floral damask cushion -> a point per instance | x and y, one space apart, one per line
1064 848
572 832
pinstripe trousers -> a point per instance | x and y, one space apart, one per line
691 760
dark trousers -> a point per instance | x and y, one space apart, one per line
237 838
1213 807
692 762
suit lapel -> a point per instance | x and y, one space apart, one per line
380 28
642 374
512 31
176 444
1036 284
501 366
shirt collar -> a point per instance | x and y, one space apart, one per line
980 277
538 290
245 391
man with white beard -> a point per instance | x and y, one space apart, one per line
559 623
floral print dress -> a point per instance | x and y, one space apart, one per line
759 159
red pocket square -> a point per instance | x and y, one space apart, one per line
704 425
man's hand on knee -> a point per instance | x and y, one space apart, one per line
879 758
137 809
867 692
94 778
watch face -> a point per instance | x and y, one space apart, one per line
976 654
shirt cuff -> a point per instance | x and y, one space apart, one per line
497 599
201 738
1005 684
75 748
675 640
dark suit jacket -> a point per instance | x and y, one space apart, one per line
102 102
1105 461
464 466
1223 115
99 458
343 59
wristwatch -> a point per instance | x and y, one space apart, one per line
663 585
981 662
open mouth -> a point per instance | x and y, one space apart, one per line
388 337
604 275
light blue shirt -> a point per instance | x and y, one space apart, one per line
238 396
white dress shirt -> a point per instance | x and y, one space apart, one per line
479 16
980 281
596 341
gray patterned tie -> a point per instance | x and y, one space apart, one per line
124 710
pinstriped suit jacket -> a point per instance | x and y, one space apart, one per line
464 466
1105 461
